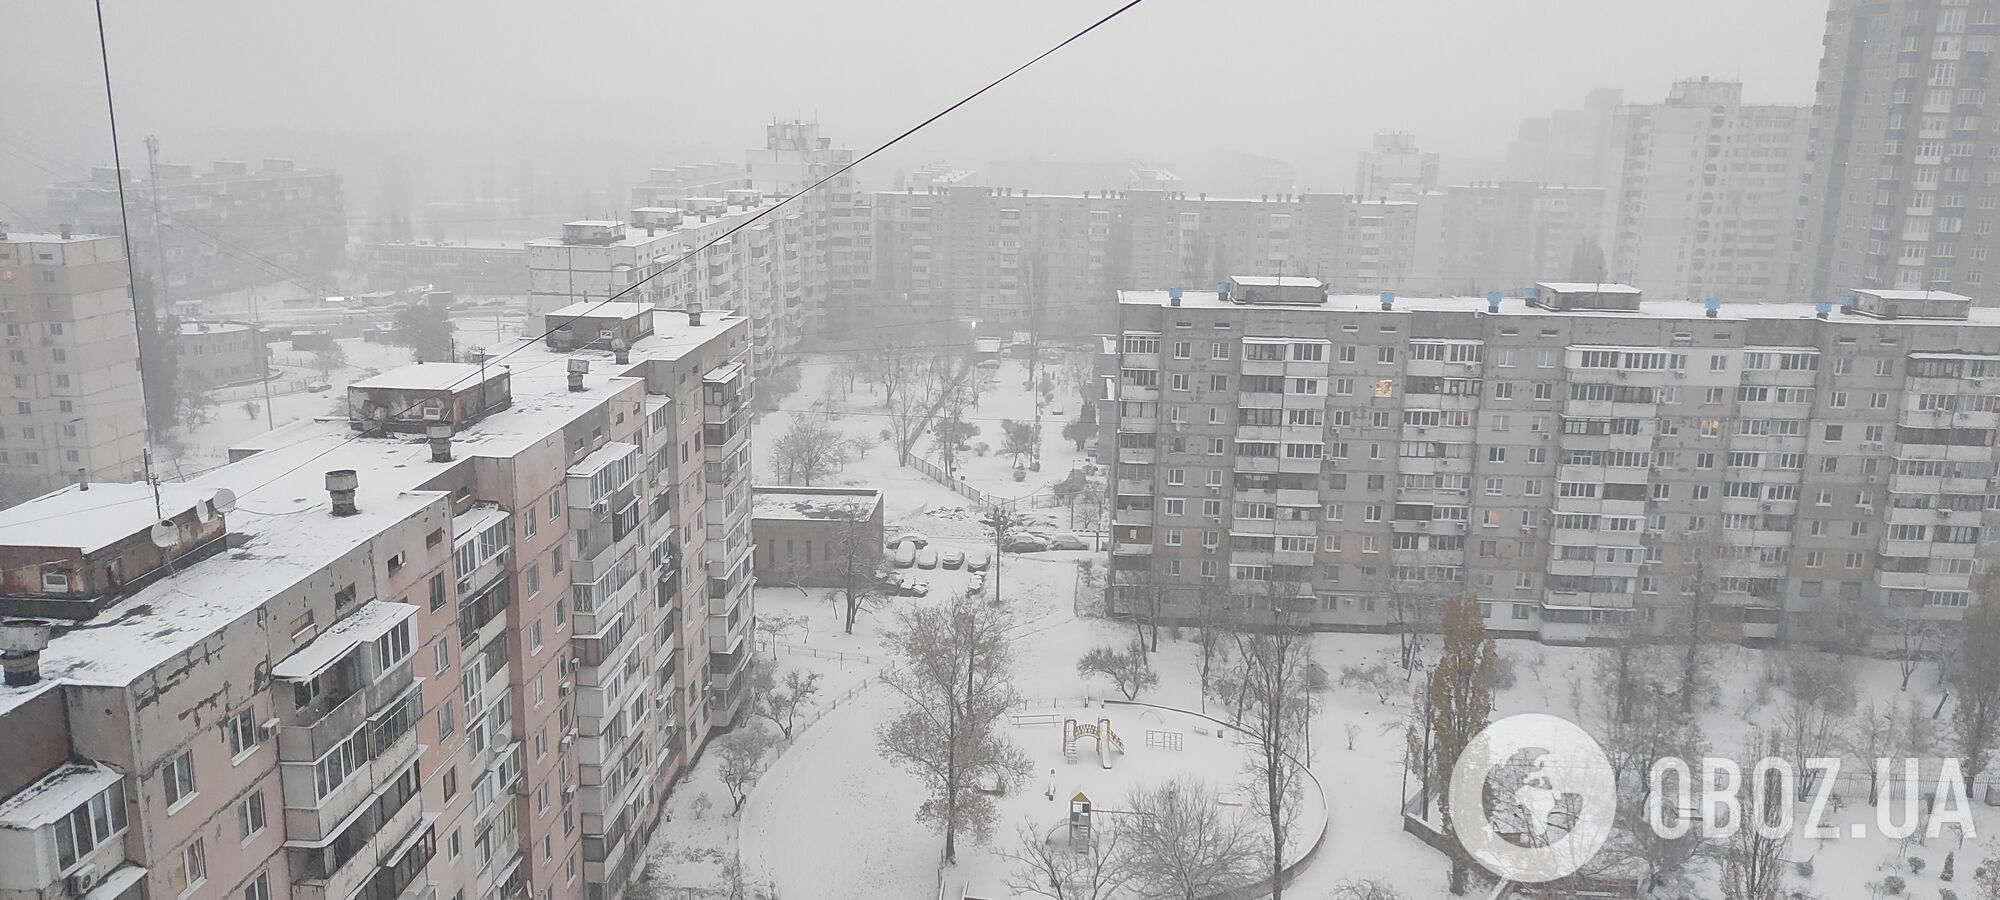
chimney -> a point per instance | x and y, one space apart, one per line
1712 305
1174 296
340 483
577 368
621 352
1388 300
21 644
64 228
1822 309
83 475
440 438
694 312
1493 301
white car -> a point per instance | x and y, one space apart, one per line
1067 541
906 555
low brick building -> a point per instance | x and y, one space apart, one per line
804 534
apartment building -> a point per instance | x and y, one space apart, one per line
459 645
1005 256
1704 193
218 231
473 267
1902 189
1504 235
1395 168
667 186
213 354
71 401
1567 146
765 272
1580 461
837 244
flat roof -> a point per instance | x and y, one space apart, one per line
1885 294
811 503
43 237
1587 287
212 327
588 309
1278 281
374 619
90 520
427 377
1515 306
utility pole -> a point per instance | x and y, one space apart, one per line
160 299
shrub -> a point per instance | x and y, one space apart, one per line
1945 873
1892 885
1917 864
1805 867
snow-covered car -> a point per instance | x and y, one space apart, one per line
978 560
952 558
913 587
906 555
918 538
1056 410
1066 541
1025 543
977 584
927 558
318 387
989 364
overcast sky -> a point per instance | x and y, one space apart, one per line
462 90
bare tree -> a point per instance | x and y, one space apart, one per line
1819 692
1181 843
1212 612
1977 715
1274 667
781 701
1130 670
1753 863
955 679
1909 637
742 755
1363 889
1640 716
1461 700
1046 866
858 554
1700 585
810 450
1870 736
1416 611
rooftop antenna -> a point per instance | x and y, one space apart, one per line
131 272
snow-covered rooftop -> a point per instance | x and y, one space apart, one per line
810 503
598 309
1912 295
90 520
1277 281
426 377
55 794
1587 287
1663 309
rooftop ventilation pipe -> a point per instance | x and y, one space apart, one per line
577 369
340 484
21 644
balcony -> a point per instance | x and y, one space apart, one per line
1132 548
1125 516
1135 486
1144 456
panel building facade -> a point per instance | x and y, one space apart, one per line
1581 464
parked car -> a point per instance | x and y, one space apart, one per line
319 387
1066 541
906 555
920 539
927 558
1025 543
952 558
977 584
978 560
912 587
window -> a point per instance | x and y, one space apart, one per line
437 593
250 816
191 869
240 732
97 820
178 779
259 888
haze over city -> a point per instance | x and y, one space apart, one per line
1536 450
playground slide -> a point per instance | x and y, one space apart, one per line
1104 750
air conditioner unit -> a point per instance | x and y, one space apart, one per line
82 880
1545 435
1215 489
267 729
1209 550
1527 529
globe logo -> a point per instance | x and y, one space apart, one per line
1533 798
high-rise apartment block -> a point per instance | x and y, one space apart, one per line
1394 168
223 230
1703 195
780 271
457 646
1580 462
1505 236
1903 180
1000 255
1568 146
71 401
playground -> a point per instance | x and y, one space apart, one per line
1088 759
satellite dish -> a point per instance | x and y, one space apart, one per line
225 501
165 534
202 512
